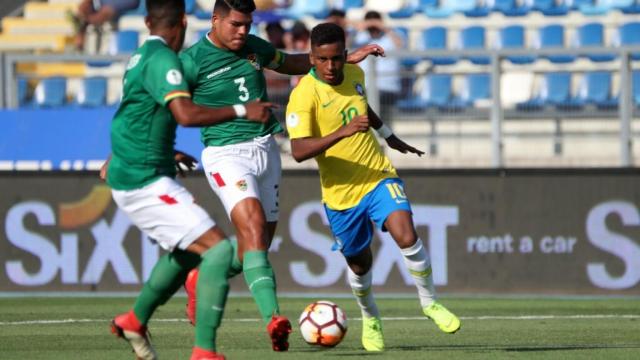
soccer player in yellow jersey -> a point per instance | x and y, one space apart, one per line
329 119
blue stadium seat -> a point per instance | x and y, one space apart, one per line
480 9
630 35
511 7
124 42
436 93
23 91
555 91
592 7
512 37
476 87
51 92
632 8
412 7
403 32
592 35
473 38
299 8
551 7
435 38
93 92
352 4
189 6
636 88
552 37
596 90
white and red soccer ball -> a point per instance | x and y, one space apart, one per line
323 323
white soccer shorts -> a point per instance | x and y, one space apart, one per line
250 169
166 212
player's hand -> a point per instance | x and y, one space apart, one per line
259 111
184 162
362 53
395 143
104 169
359 123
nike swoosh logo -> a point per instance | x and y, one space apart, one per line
400 201
329 103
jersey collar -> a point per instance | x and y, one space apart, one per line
156 37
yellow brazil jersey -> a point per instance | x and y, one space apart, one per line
353 166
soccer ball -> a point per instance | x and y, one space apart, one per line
323 323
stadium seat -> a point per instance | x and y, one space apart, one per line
630 36
299 8
636 88
591 7
632 8
552 37
352 4
437 92
512 37
480 9
124 42
403 32
476 87
92 92
23 91
555 90
406 11
511 7
189 6
435 38
592 35
551 7
51 92
473 38
596 90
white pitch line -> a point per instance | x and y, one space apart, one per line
401 318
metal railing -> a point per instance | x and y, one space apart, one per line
496 114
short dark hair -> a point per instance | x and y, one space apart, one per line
327 33
299 31
337 12
165 13
222 7
372 14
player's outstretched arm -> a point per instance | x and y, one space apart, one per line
361 53
307 148
299 64
393 141
189 114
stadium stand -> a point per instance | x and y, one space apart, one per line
552 37
435 38
92 92
51 92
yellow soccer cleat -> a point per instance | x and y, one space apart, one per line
444 318
372 338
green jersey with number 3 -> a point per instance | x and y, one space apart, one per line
143 130
219 77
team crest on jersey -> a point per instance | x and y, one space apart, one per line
135 59
242 185
253 59
360 89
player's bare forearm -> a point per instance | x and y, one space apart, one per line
189 114
307 148
295 64
361 53
374 119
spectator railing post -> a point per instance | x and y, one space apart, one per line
497 160
373 95
626 109
10 82
2 82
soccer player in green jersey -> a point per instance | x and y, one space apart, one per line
241 159
141 173
329 119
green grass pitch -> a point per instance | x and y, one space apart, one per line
78 328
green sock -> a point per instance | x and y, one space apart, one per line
166 278
212 289
236 265
260 279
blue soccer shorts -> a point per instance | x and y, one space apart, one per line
352 228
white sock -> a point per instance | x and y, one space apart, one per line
361 287
419 265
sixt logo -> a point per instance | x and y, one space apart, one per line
39 239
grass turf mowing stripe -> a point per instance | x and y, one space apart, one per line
398 318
